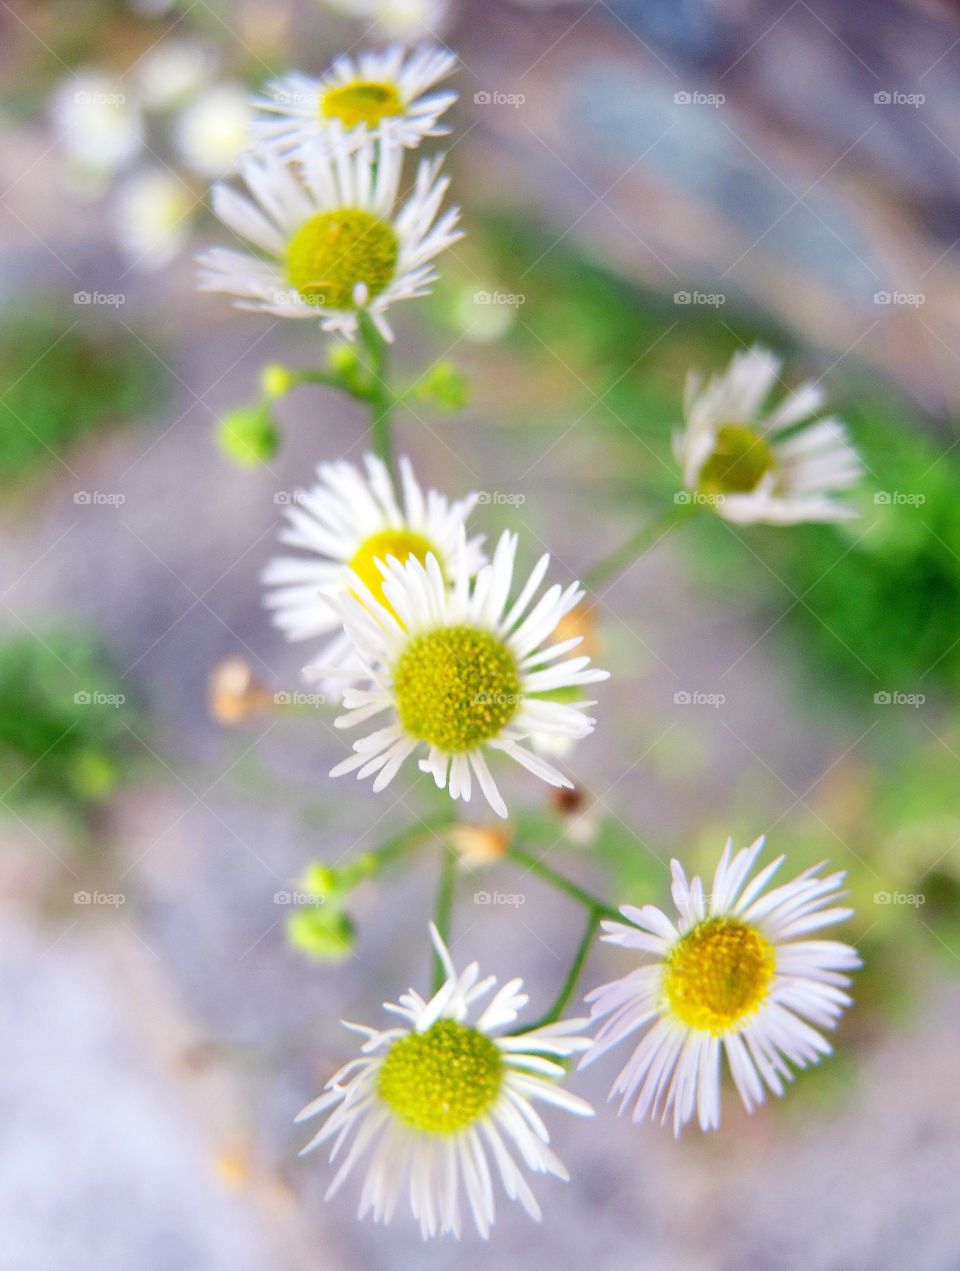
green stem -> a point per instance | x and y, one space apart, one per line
381 399
564 884
330 378
443 909
612 565
573 975
401 843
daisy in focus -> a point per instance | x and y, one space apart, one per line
390 93
347 522
331 238
430 1102
736 973
748 463
461 671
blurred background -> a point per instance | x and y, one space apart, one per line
647 187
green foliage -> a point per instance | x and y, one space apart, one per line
63 742
61 379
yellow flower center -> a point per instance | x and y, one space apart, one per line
739 460
717 974
442 1080
365 101
401 544
456 687
333 251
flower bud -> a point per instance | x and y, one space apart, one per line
444 386
275 380
249 436
326 937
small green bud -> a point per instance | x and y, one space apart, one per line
327 937
276 380
444 387
249 436
343 359
93 775
320 881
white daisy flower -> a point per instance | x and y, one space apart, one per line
385 92
213 131
152 217
431 1102
347 522
737 972
460 670
334 242
739 457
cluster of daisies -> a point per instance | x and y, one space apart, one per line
332 236
427 636
442 1105
424 637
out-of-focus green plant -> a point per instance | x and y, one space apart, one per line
60 379
63 739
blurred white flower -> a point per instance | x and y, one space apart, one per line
97 121
738 975
744 461
332 239
152 216
172 72
398 19
213 131
435 1101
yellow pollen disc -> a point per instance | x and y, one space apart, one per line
456 687
333 251
365 101
717 974
401 544
442 1080
739 460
